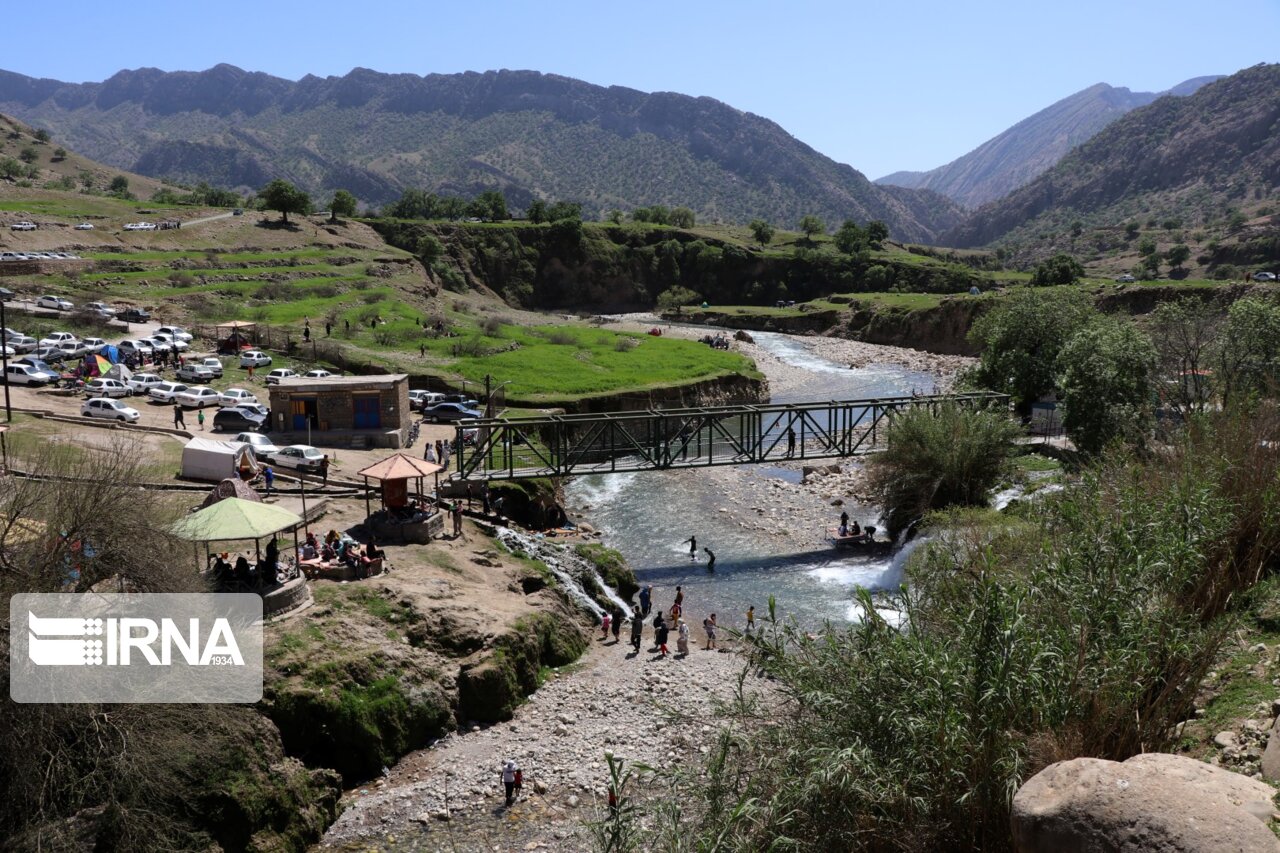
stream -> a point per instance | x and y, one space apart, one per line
650 516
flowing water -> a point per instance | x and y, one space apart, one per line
648 516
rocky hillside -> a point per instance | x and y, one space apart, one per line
1018 155
1194 158
527 133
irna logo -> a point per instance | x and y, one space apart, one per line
63 641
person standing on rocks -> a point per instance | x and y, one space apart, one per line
605 621
646 601
751 618
709 625
617 626
509 779
693 548
637 631
679 600
660 632
682 638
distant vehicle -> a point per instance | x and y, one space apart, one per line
421 399
158 344
25 374
235 396
101 308
1125 279
461 399
176 332
140 226
11 256
55 338
300 456
85 226
316 374
1264 276
214 365
254 358
94 344
449 412
55 302
51 354
142 383
23 343
23 226
134 315
139 347
102 407
175 344
40 365
6 295
102 387
195 373
280 373
7 351
226 420
239 211
72 349
164 392
255 409
197 397
261 445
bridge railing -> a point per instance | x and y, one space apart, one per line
665 439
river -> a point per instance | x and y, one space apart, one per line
649 516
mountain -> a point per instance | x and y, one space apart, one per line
1192 157
1007 161
527 133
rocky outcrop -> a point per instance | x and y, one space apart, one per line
1152 802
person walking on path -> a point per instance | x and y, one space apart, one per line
682 638
324 470
444 454
200 418
605 621
617 626
693 547
328 328
637 632
660 632
646 601
178 422
509 779
711 559
268 478
791 442
709 625
430 453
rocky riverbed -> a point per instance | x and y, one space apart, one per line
662 712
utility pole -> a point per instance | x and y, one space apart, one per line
4 361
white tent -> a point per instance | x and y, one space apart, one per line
119 371
206 459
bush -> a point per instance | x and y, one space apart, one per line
940 457
675 297
1106 383
1060 269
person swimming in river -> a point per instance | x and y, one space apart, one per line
711 559
693 548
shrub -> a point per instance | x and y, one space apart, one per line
677 296
1106 384
1060 269
492 326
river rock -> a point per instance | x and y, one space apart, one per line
741 335
1271 755
1225 740
1152 802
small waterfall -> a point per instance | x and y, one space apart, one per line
569 569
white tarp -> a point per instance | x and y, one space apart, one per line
119 371
215 461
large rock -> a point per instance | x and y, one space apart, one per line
1153 803
1271 756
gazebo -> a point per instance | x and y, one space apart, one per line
394 474
237 520
235 335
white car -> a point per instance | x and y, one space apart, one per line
23 226
56 338
102 387
25 374
142 383
139 347
280 374
165 392
85 226
55 302
94 344
140 226
1264 276
23 343
236 397
255 409
102 407
177 333
7 351
254 358
195 373
316 374
101 308
262 446
214 365
1125 279
158 344
197 397
175 344
300 456
421 399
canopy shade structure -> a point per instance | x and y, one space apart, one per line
235 519
237 324
400 467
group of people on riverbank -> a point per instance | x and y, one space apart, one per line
664 622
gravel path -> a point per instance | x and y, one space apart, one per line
642 708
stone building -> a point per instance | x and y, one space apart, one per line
342 411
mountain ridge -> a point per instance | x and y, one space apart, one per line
534 135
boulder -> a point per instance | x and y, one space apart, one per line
1271 755
740 335
1152 802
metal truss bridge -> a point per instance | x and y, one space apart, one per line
669 439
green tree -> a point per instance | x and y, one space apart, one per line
59 154
762 231
537 211
1185 334
343 204
674 297
119 184
811 225
1146 246
682 217
10 168
492 205
561 210
877 233
1150 266
1020 338
1106 384
42 135
28 155
285 197
1236 221
850 239
1247 358
1077 228
615 216
429 249
1131 230
1060 269
1178 255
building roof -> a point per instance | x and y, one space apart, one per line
341 383
235 519
400 467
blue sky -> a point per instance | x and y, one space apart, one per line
883 86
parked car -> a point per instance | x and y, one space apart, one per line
23 343
103 387
134 315
165 392
25 374
236 396
175 344
140 226
1125 279
316 374
55 338
52 355
7 351
254 358
94 344
23 226
195 373
261 445
138 347
176 332
158 344
141 383
279 374
57 303
239 211
85 226
197 397
101 308
302 457
214 365
32 360
422 399
1264 276
449 412
72 349
6 295
235 418
102 407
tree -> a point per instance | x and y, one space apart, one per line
811 225
682 217
429 249
850 239
343 204
1247 361
28 155
10 168
1146 246
674 297
1020 338
615 216
1105 380
59 153
877 233
1131 230
1150 266
119 184
42 135
561 210
1177 255
1060 269
492 205
537 211
285 197
1184 334
762 231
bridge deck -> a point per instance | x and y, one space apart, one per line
664 439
